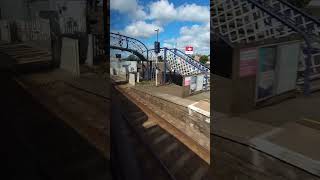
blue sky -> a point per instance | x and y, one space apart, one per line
181 22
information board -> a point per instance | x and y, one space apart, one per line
248 62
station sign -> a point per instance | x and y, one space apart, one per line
189 50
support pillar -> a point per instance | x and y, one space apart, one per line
150 70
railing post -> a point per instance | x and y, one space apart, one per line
147 54
150 69
307 70
164 65
127 42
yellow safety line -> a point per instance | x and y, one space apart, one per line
310 120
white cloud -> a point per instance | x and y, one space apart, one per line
193 12
164 11
141 29
123 5
158 13
128 6
197 36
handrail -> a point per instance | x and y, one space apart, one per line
191 62
138 47
191 58
300 11
129 38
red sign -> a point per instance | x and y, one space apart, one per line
189 50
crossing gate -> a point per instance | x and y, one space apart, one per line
243 22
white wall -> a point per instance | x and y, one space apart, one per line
75 9
119 66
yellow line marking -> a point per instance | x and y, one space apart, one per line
312 121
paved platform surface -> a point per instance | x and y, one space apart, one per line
291 110
83 103
172 93
38 145
173 90
291 142
24 54
289 130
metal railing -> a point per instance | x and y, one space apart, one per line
122 42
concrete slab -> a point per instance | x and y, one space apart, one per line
291 110
239 129
174 99
92 83
132 79
149 124
293 143
70 56
170 93
201 107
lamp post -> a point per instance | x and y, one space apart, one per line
157 33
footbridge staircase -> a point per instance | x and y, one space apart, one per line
174 59
245 22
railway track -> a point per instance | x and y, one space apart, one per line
175 158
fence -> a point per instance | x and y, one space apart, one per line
98 45
71 25
27 30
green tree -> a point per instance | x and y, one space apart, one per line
204 59
132 57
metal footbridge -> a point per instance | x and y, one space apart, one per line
174 59
245 22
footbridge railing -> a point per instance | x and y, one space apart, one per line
174 59
181 63
126 43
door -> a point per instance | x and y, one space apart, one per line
200 79
266 73
288 57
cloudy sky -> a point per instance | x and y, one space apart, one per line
181 22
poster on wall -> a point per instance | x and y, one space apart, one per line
248 62
187 81
266 73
